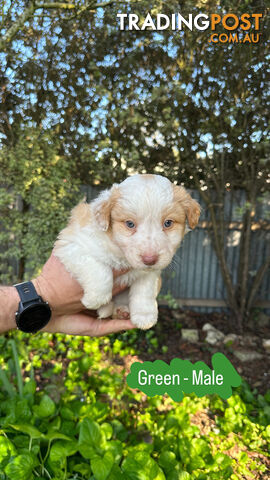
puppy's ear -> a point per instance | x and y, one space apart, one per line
103 205
191 206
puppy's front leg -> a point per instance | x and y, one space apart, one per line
97 282
142 300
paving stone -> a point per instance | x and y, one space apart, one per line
247 355
230 338
190 334
266 344
214 336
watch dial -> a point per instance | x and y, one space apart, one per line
34 318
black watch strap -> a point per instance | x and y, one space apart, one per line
33 313
27 292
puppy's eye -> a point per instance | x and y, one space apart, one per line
167 223
130 224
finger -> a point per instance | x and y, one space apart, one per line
106 327
82 324
118 273
118 289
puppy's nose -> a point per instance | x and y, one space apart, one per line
149 259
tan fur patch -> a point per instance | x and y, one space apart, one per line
191 207
103 213
147 176
119 215
81 214
175 212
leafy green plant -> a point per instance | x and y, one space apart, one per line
170 300
85 423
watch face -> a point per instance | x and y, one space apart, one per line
34 318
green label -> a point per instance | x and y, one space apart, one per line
181 376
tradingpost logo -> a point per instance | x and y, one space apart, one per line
230 22
247 25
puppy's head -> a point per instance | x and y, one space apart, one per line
146 217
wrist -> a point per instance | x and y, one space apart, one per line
9 306
42 289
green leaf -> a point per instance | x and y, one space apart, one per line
179 474
199 447
20 467
86 451
167 460
66 413
22 411
68 447
119 430
116 473
101 466
116 449
142 466
53 435
133 470
82 468
267 431
46 408
7 448
30 387
58 453
107 429
33 432
184 450
223 460
90 433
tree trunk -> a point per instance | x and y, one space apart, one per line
24 209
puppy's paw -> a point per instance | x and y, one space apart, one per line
90 303
144 320
94 302
106 311
121 311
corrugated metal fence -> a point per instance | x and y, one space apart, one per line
194 277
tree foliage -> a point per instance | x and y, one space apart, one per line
37 192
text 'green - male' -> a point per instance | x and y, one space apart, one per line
181 376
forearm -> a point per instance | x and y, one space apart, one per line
63 293
9 300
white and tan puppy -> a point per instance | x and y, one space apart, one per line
137 224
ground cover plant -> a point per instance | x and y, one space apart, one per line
66 412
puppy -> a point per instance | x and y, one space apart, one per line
137 225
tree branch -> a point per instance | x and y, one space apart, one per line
19 23
56 5
218 244
71 6
257 283
33 7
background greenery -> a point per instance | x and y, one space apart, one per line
79 420
84 103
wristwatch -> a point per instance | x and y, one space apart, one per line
33 313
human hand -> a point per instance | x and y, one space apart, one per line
63 292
